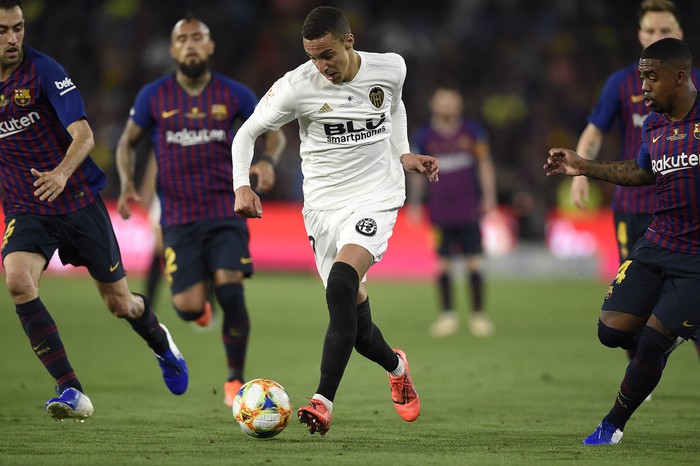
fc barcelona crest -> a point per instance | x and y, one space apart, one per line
22 97
696 131
219 111
376 97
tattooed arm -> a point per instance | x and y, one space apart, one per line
567 162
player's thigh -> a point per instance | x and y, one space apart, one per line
678 307
634 290
183 257
469 239
226 247
88 239
368 229
28 233
329 231
322 231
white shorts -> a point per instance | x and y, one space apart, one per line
330 230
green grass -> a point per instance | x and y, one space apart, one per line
528 395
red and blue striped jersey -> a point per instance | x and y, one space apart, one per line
192 138
622 101
456 199
37 103
671 149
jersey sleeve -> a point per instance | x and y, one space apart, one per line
399 118
608 108
482 147
398 92
276 108
61 92
278 105
141 111
247 101
399 131
418 141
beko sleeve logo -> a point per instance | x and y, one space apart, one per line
64 86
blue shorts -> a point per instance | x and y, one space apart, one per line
654 280
83 238
454 240
193 252
629 228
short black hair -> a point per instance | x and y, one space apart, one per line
323 20
10 4
670 51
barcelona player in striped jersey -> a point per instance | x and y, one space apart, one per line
191 115
621 102
52 202
652 304
466 191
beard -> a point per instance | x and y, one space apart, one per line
194 70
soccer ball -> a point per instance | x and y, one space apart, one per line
262 408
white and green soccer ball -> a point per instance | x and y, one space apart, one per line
262 408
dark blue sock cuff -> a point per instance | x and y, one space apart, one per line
30 307
657 337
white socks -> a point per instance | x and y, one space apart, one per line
398 372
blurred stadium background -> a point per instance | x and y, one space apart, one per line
531 72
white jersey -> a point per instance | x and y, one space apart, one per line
349 154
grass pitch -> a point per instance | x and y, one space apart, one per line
528 395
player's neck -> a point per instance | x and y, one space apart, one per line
683 106
7 70
446 126
355 63
193 86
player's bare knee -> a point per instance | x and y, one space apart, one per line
614 338
20 287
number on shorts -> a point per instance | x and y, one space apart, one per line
622 271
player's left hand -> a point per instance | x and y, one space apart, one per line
265 172
424 164
49 184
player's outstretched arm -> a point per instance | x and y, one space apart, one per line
563 161
424 164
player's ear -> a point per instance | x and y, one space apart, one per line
681 77
349 40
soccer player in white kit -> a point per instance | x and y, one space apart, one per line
354 148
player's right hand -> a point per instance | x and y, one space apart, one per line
563 161
247 203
